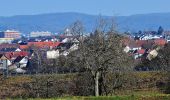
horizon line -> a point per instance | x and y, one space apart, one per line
46 13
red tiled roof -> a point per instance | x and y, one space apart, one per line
141 51
40 44
16 54
44 44
137 43
160 42
23 47
142 42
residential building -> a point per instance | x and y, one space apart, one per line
6 45
149 36
152 54
166 35
21 61
138 53
10 50
17 65
53 54
40 34
6 40
2 59
10 34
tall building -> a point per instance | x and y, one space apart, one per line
40 34
10 34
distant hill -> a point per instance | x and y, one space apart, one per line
57 22
144 22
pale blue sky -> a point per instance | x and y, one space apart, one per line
104 7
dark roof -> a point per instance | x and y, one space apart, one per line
8 49
5 45
23 43
15 41
33 39
1 55
65 45
18 59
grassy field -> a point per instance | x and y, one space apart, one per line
125 97
145 89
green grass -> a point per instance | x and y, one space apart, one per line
125 97
90 98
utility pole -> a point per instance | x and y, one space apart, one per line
49 84
5 66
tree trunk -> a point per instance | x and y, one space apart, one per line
97 84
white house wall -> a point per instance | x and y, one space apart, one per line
52 54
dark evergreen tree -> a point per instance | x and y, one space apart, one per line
160 30
139 32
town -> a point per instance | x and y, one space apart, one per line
19 51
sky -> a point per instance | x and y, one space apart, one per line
94 7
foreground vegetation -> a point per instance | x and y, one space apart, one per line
72 86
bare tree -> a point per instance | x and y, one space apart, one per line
102 52
37 58
77 29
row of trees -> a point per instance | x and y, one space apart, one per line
160 31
